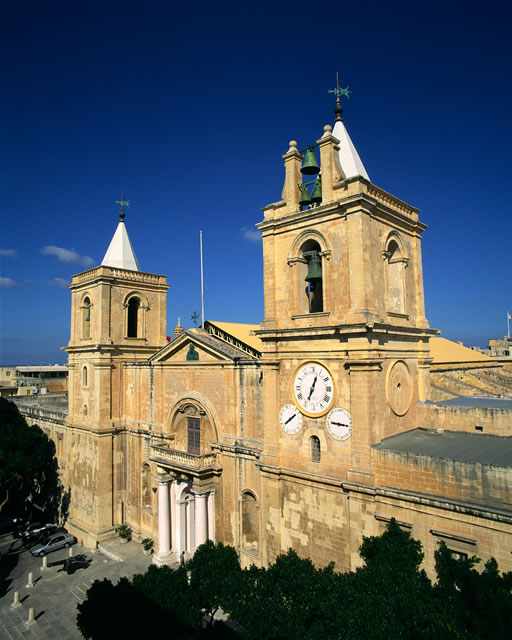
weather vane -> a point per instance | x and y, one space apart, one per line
123 203
339 91
195 318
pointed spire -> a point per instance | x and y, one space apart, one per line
120 252
349 158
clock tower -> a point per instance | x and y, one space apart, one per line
345 335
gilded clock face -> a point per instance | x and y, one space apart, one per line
290 419
339 424
313 389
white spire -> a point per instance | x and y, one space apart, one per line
349 158
120 252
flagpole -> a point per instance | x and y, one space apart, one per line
202 287
508 323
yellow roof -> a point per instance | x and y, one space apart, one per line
241 331
444 351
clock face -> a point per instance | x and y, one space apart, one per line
290 419
313 389
339 424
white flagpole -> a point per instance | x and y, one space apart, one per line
202 287
508 323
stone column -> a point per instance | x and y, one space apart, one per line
211 516
164 520
174 544
201 519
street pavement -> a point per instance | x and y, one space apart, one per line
55 594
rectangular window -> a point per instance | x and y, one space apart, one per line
194 435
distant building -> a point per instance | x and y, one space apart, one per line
44 378
501 348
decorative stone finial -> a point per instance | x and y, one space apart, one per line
178 329
327 131
293 146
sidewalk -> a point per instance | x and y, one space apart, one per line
55 594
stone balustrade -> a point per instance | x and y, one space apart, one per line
123 274
173 457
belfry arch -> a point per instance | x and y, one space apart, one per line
308 260
395 263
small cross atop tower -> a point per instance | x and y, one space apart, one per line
123 203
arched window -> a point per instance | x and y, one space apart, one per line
311 299
250 522
84 377
315 449
85 409
86 318
396 262
133 317
194 435
146 486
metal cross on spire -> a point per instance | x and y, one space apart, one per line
339 91
123 203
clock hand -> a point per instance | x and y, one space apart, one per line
312 388
291 418
340 424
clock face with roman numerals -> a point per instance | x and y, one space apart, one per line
313 389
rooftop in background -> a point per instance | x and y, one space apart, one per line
452 445
475 402
52 368
242 332
445 352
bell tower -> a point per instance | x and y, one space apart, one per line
344 303
118 314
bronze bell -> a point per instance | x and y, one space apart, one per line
314 267
310 166
305 198
316 196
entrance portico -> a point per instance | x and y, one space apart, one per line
186 503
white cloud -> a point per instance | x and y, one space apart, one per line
67 255
251 235
7 283
9 253
58 282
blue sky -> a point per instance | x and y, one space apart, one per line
189 109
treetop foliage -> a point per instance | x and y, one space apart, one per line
389 596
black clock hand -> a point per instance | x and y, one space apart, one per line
340 424
312 388
291 418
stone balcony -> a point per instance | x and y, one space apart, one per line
195 464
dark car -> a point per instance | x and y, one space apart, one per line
34 529
43 535
52 543
9 525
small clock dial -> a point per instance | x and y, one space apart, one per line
290 418
339 424
313 389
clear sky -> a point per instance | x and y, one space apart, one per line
189 107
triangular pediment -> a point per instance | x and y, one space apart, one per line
196 346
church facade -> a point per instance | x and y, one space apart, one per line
305 431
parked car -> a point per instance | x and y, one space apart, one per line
9 525
43 535
34 529
52 543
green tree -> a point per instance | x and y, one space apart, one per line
29 478
474 605
215 577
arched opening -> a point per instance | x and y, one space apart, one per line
133 317
84 377
85 409
315 449
250 522
311 295
146 486
395 276
86 318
